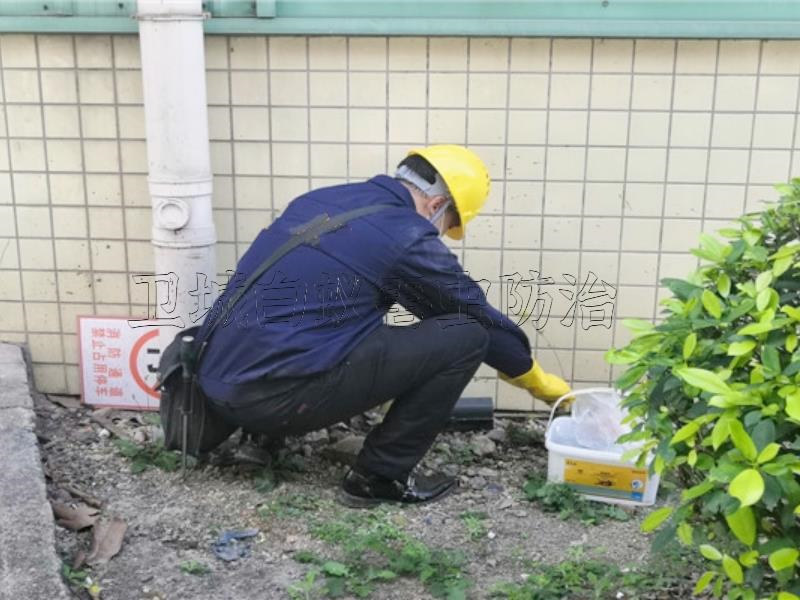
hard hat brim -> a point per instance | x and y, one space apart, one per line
455 233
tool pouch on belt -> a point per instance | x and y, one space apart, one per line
206 429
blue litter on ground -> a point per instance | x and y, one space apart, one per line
231 545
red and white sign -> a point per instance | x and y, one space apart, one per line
118 363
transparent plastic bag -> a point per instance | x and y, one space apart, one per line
597 418
562 431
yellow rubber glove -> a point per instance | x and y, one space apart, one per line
544 386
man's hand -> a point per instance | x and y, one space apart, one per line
541 385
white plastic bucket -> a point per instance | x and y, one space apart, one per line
596 474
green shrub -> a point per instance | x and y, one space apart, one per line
714 394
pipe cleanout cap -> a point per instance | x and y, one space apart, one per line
172 213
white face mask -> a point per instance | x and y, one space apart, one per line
438 215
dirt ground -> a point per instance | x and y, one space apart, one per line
172 520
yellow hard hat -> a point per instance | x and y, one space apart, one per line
466 177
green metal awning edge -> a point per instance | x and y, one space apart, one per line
427 27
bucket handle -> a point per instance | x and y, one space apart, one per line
573 394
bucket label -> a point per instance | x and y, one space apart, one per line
605 480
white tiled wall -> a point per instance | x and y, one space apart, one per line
607 156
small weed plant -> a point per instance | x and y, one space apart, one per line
80 579
193 567
145 456
474 523
562 499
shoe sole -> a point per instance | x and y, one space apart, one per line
352 501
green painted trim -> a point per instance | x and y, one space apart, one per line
68 25
544 18
508 27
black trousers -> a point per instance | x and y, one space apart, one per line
422 367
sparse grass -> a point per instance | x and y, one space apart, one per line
374 549
562 499
474 522
462 456
291 505
520 435
582 578
193 567
151 418
283 468
144 456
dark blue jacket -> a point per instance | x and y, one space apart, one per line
306 313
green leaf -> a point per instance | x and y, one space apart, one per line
713 247
710 552
703 582
786 250
740 348
747 487
768 453
735 399
720 433
701 378
793 406
631 376
638 326
791 342
742 440
724 285
689 344
621 357
791 312
711 303
685 533
763 280
770 359
656 518
781 265
385 574
732 569
743 525
783 558
685 432
762 300
682 289
334 568
748 559
763 433
756 328
697 490
787 596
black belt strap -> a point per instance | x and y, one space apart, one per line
307 233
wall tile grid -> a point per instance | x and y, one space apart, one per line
607 157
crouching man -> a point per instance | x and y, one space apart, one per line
306 346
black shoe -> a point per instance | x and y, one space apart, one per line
363 491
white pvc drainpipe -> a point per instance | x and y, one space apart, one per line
178 155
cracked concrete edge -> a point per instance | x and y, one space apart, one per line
29 566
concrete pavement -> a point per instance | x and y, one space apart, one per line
29 566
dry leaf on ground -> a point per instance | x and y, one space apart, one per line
74 516
107 542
